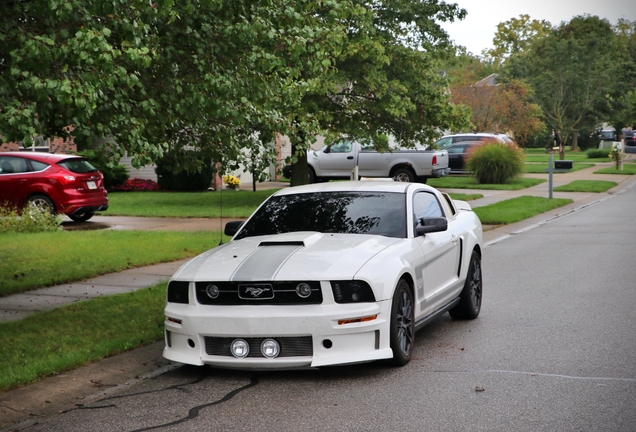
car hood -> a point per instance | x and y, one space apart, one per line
286 257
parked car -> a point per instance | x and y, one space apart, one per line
629 136
65 184
607 135
337 161
447 140
457 155
327 274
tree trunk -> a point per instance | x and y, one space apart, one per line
575 137
300 170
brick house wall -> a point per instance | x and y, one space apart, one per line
56 145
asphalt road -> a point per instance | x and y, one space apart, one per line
554 349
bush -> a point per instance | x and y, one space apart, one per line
113 176
184 181
597 153
494 163
32 220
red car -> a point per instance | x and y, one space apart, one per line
65 184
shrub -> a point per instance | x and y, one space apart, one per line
113 175
172 176
597 153
494 163
32 220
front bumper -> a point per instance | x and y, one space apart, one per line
331 343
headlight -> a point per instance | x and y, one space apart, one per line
352 292
303 290
178 292
212 291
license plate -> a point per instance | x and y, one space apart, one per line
91 185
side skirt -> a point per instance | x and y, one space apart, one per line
427 319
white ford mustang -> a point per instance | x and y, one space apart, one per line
327 274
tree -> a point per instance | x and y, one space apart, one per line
516 35
505 107
571 71
162 75
387 79
621 107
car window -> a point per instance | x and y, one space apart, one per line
425 204
344 146
77 165
37 165
444 142
456 149
463 138
330 212
12 165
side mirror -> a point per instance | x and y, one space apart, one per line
232 227
327 149
431 225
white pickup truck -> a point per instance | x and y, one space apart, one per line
341 159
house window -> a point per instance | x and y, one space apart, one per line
39 144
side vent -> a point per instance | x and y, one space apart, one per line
461 255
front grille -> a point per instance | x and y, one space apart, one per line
295 346
269 293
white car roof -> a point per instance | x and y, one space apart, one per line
354 186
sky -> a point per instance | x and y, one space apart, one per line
477 30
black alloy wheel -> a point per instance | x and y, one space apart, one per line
470 298
402 324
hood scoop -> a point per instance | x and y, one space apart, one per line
296 239
282 243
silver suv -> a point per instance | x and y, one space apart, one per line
448 140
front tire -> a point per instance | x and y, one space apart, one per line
82 217
470 298
404 175
402 324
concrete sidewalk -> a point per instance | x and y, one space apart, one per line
66 391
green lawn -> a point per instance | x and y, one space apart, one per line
517 209
586 186
466 182
628 169
67 337
465 197
34 260
185 204
539 168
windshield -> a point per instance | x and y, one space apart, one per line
380 213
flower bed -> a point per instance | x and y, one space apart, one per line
136 185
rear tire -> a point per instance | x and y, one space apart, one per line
470 298
402 324
40 202
404 175
312 174
82 217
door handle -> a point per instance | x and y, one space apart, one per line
454 239
349 157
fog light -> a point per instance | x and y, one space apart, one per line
270 348
240 348
212 291
303 290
